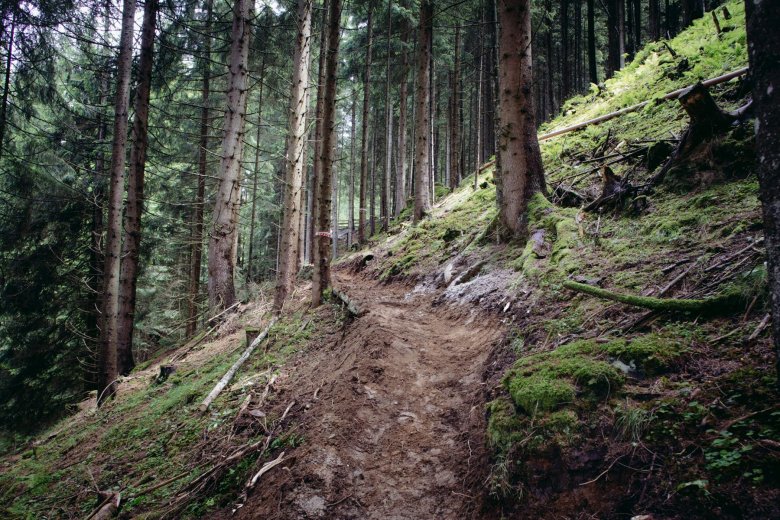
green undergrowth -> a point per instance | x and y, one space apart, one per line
654 72
144 436
451 228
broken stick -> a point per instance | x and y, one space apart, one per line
230 373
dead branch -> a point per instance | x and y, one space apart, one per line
230 373
268 466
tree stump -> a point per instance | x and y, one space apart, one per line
707 121
251 334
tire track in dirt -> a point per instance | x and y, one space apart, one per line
395 431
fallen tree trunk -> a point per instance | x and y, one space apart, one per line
232 372
352 307
633 108
107 509
714 305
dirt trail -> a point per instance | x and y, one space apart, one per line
395 430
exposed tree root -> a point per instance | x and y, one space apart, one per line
721 304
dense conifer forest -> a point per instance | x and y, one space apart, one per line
395 259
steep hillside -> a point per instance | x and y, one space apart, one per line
472 379
600 406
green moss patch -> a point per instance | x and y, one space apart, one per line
656 352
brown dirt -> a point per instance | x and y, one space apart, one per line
396 427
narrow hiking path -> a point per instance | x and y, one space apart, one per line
395 429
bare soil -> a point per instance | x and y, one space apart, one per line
391 414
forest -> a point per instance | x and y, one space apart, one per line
389 259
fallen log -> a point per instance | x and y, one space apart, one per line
352 307
107 509
633 108
232 372
716 304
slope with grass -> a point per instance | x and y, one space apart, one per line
597 406
477 384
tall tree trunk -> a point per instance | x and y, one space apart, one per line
385 194
578 45
7 79
422 190
372 178
691 10
228 200
196 248
549 76
764 55
478 148
296 158
455 159
654 20
334 243
637 25
351 201
521 163
98 202
431 127
131 251
255 176
616 33
108 362
401 164
565 51
321 275
317 159
364 135
592 70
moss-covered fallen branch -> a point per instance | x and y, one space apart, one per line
720 304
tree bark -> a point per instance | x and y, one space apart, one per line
351 201
255 176
131 251
422 191
296 145
691 10
401 164
616 36
228 200
637 25
321 275
592 70
578 45
654 20
521 164
764 55
196 251
7 79
372 177
455 159
385 193
565 51
364 134
317 160
478 148
108 362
